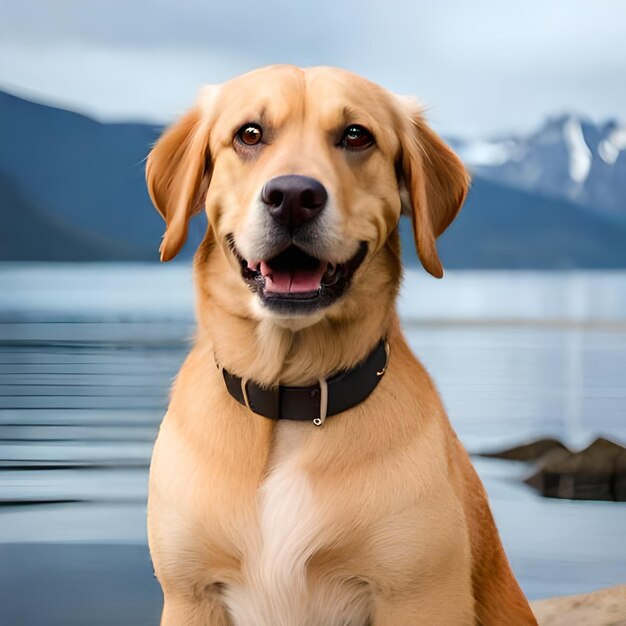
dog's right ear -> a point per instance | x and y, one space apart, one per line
177 174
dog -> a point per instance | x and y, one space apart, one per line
305 473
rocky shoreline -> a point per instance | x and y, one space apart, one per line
606 607
596 473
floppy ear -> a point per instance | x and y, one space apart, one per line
436 181
177 174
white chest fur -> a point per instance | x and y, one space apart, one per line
277 590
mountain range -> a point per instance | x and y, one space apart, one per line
72 189
568 157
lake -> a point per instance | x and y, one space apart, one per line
87 354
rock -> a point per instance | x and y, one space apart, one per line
528 452
596 473
546 480
619 477
606 607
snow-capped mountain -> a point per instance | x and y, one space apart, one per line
568 157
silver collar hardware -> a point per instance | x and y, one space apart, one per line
244 392
319 421
382 371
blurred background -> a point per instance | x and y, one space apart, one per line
525 336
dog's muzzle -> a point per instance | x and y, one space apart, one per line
293 282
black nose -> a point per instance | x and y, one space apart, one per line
294 200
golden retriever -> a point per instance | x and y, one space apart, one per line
369 516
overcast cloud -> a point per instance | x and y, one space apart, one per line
481 67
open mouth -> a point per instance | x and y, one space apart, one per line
294 281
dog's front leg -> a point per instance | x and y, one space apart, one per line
193 611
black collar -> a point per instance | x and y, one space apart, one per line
329 397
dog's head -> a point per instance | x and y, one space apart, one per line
303 175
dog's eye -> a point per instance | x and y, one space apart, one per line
250 134
356 137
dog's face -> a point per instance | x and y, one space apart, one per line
303 174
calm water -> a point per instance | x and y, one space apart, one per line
87 355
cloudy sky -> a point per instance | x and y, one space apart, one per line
481 67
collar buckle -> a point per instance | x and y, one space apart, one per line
382 371
244 393
319 421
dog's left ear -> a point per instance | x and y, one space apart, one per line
177 175
436 181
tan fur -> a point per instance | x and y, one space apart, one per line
378 517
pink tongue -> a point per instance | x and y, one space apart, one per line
291 281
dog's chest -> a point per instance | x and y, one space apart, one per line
277 589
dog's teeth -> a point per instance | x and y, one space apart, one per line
332 268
